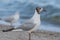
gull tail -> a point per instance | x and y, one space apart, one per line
12 29
8 30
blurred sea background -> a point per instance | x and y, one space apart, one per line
50 20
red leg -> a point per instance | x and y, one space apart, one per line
29 36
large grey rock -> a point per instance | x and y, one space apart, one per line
22 35
45 36
13 36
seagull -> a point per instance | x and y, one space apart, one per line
11 19
32 24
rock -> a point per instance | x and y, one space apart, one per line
14 35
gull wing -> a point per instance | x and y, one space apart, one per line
28 25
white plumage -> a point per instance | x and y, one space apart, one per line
33 23
11 19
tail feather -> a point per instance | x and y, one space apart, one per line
8 30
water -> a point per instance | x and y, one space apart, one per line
50 20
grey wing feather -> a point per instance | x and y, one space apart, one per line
27 26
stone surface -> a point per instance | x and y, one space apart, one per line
22 35
45 36
13 36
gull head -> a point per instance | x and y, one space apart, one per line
38 9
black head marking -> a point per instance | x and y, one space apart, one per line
38 10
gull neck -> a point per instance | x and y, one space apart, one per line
36 17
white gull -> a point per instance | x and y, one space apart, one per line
32 24
11 19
